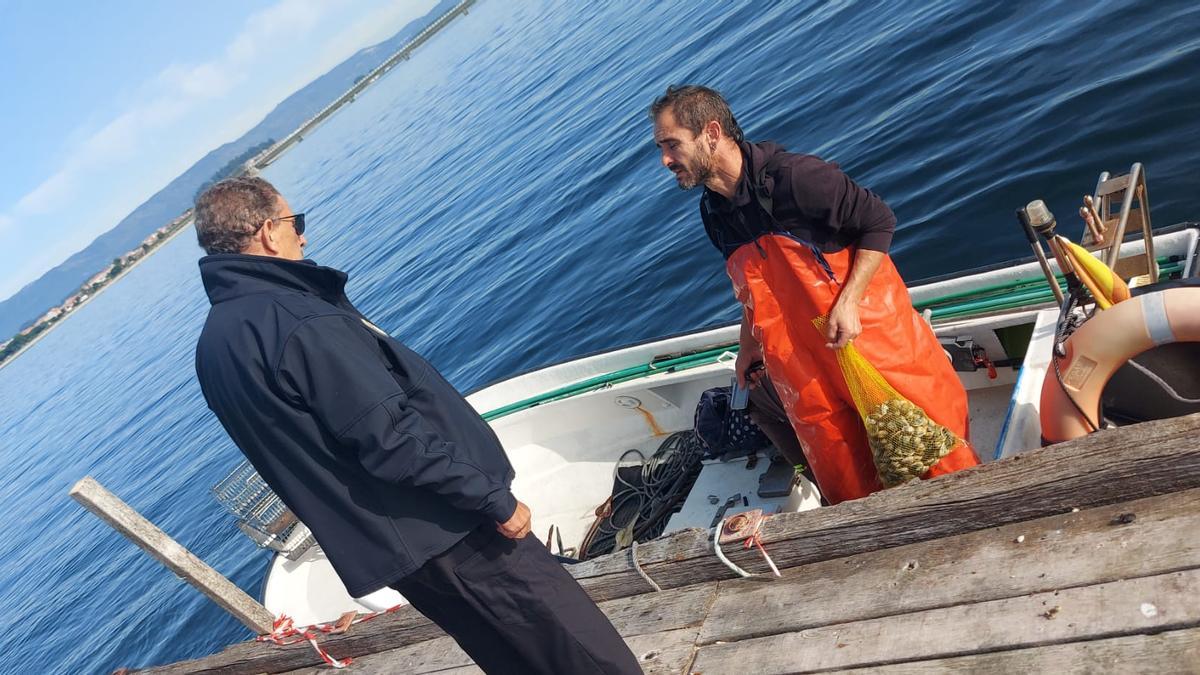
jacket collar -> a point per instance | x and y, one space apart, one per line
232 275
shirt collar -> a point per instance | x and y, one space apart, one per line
742 194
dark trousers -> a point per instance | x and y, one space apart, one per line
767 412
514 609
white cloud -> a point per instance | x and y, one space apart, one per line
46 193
183 112
120 139
178 90
207 80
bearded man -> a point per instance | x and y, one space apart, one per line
802 241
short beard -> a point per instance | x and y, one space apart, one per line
697 174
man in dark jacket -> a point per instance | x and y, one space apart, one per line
401 481
806 249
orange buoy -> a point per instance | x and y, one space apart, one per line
1070 405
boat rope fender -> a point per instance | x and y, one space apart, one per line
1102 345
637 567
284 632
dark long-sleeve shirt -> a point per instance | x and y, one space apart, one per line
811 199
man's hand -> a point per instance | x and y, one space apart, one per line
518 525
843 325
742 366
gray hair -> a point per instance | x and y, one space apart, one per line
694 106
231 211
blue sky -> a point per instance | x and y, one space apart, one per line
104 103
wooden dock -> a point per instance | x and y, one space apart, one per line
1081 557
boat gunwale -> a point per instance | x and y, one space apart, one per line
533 401
992 267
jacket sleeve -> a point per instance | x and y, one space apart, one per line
824 192
334 369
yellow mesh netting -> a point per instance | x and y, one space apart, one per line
904 441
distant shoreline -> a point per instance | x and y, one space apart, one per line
269 155
74 310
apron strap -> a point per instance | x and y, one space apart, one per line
758 185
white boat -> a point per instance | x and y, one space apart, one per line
566 426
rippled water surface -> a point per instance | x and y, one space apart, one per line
498 203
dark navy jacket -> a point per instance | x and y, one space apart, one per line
364 441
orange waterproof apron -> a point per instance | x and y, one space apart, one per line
785 284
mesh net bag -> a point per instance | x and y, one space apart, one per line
904 441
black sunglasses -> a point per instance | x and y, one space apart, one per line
297 222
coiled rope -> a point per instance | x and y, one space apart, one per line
644 506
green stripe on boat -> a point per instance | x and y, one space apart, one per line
996 297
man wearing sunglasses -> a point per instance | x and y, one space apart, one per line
400 480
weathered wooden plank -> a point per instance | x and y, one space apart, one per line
659 612
405 626
134 526
1073 549
1164 653
658 653
679 608
667 653
436 655
1103 468
1111 466
1134 606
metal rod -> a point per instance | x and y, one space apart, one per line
1114 250
1045 264
1147 230
1038 253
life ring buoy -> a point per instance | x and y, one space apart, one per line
1102 345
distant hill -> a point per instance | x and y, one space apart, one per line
27 304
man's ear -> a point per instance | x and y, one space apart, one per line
712 133
266 236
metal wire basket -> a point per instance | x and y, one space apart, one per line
260 514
